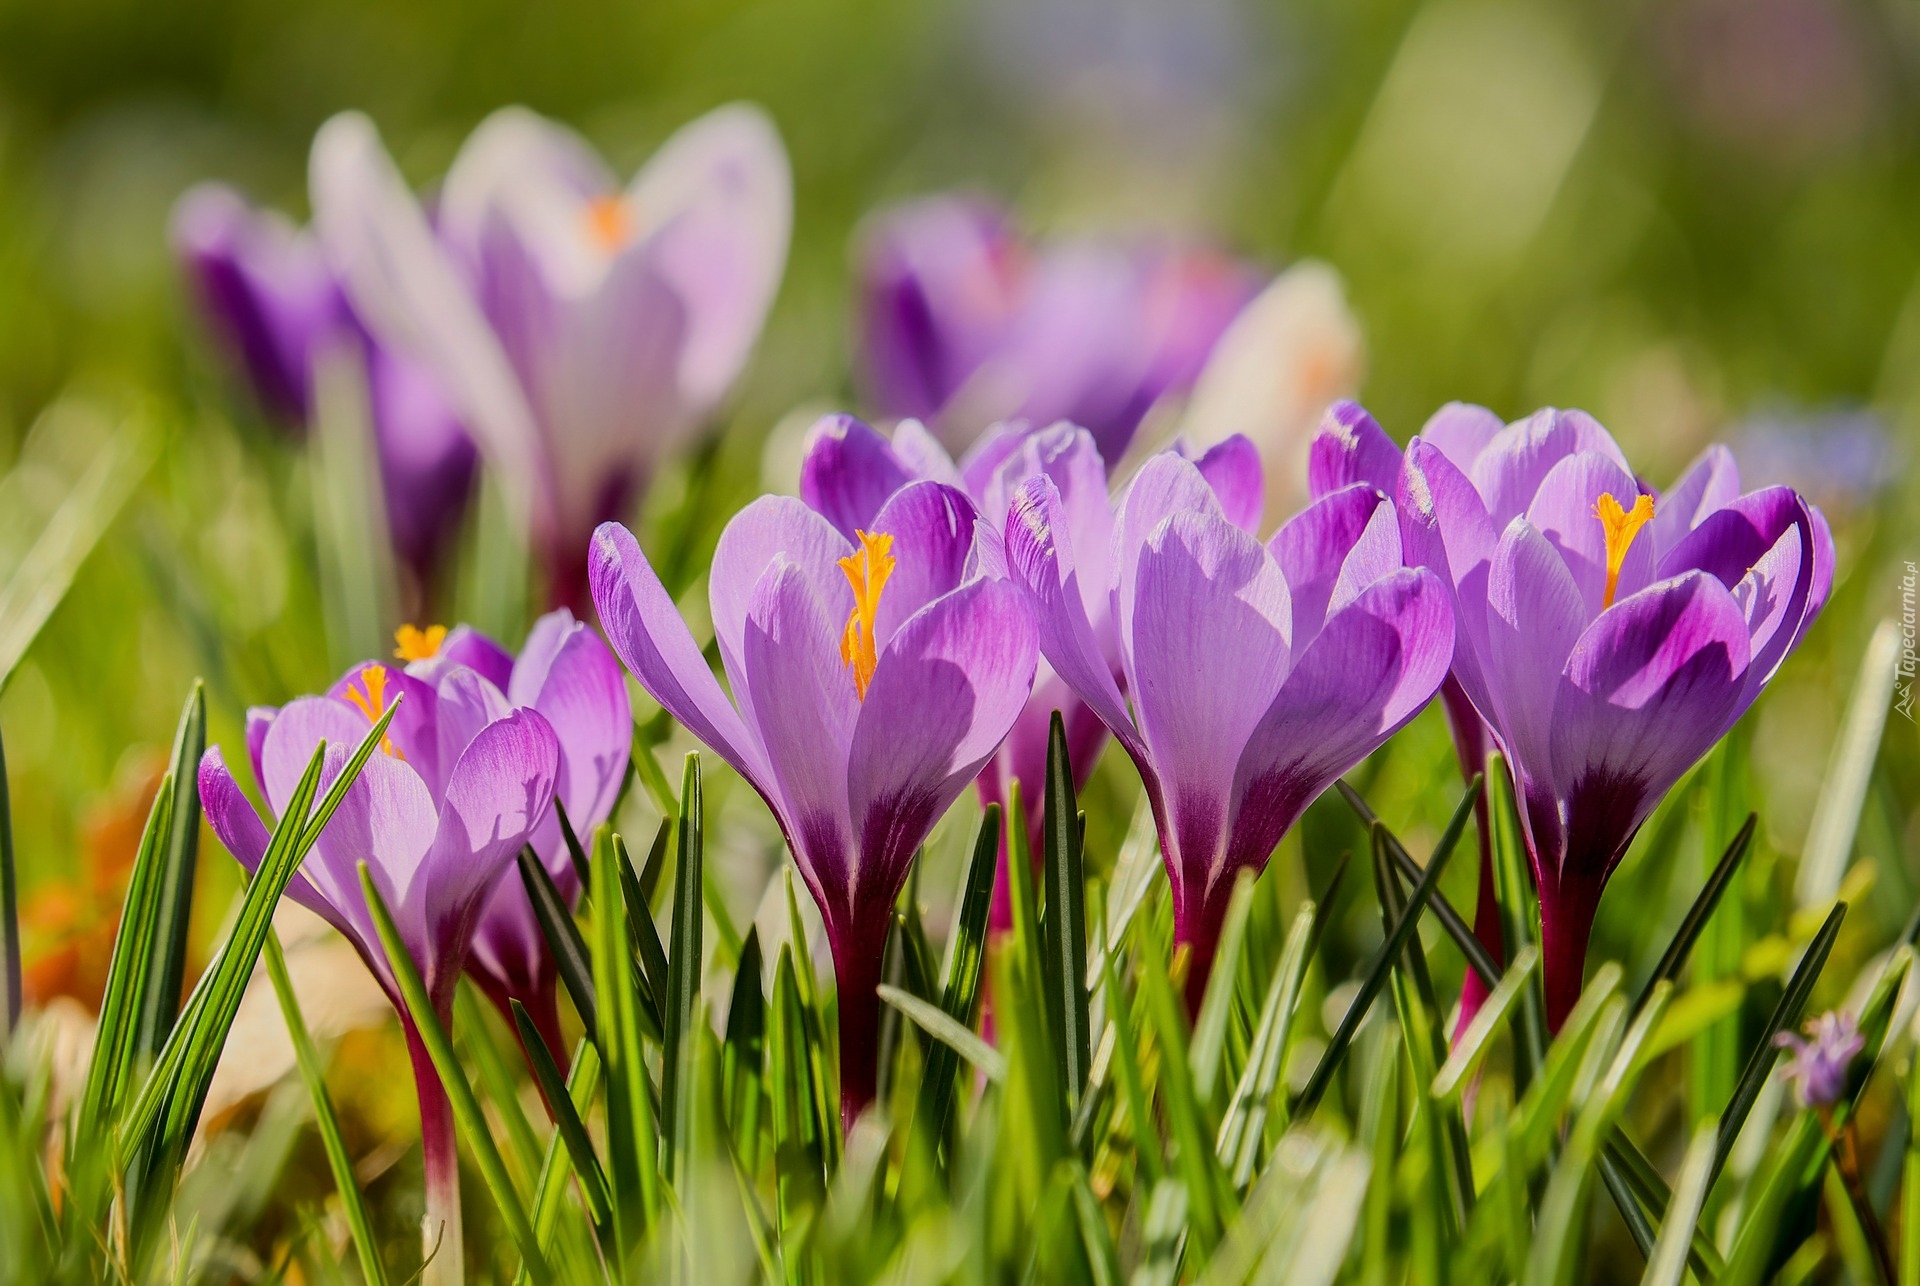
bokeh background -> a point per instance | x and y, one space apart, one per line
1697 219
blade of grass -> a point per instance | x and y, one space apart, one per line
742 1072
1210 1027
1668 1264
1472 1047
1066 925
1477 956
1243 1126
1836 815
966 958
1675 957
575 853
1209 1199
651 775
173 910
352 1201
683 977
650 956
1519 914
633 1171
568 1127
466 1107
961 1040
9 916
1386 957
563 939
496 1079
582 1083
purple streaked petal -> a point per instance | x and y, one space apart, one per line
566 673
647 634
259 722
848 473
386 819
466 704
932 527
947 689
467 646
1349 447
1535 615
1444 526
1710 483
413 730
1510 469
301 725
1166 484
1210 652
1067 455
239 829
1461 431
1646 692
984 463
1773 595
805 709
770 528
1563 511
1232 468
427 461
923 455
1312 548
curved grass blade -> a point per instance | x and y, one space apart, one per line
1675 957
173 910
466 1107
568 1126
1478 958
563 939
1786 1013
966 958
683 977
1668 1264
744 1062
1243 1126
650 957
582 1082
633 1171
496 1079
575 854
1065 930
1210 1201
935 1023
352 1202
1465 1057
1386 957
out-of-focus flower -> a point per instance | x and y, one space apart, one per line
1257 673
1818 1069
1840 460
566 674
266 289
1286 358
871 680
583 329
963 325
462 780
1608 634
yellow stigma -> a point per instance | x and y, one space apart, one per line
867 569
1621 526
372 701
416 644
609 222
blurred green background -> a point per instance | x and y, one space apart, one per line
1695 219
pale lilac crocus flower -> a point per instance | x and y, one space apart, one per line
1818 1068
265 289
460 783
963 324
585 329
1257 674
850 471
565 673
871 681
1609 634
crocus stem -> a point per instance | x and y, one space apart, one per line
1197 921
858 953
440 1153
1567 909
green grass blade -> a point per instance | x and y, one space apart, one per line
1126 1065
633 1170
1381 966
744 1054
822 1057
649 955
1519 914
1477 957
1836 814
1786 1013
1066 925
1209 1201
683 977
568 1126
179 856
575 853
1675 956
352 1200
651 776
9 915
466 1107
963 1041
1465 1057
1668 1264
966 959
549 1193
1243 1126
562 936
496 1079
1210 1027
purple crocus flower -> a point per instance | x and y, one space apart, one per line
871 681
1609 634
463 781
1818 1068
584 329
850 471
963 325
566 674
1258 674
266 289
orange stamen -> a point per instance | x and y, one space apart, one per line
609 221
373 702
416 644
867 569
1621 526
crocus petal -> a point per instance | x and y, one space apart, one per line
1445 526
932 526
848 473
1710 483
239 828
566 673
1167 484
412 732
923 455
466 704
288 748
1210 651
1313 547
1350 447
1535 615
1067 455
467 646
806 707
386 819
1645 693
1563 511
403 284
259 722
770 528
948 688
1461 431
1510 469
654 644
499 790
1232 468
1040 559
